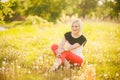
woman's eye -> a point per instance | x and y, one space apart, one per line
74 26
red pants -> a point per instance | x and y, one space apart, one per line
71 57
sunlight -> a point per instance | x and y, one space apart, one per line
100 2
4 0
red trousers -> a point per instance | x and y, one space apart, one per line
71 57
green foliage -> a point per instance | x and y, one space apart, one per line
51 10
35 20
86 7
108 9
47 9
5 10
116 9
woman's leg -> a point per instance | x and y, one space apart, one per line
62 59
73 58
59 60
66 63
66 57
54 47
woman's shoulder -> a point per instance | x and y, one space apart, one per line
83 37
67 33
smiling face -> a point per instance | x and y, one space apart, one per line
75 28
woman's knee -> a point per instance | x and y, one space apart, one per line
54 47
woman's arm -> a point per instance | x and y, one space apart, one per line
60 48
74 46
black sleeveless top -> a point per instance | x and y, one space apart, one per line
81 40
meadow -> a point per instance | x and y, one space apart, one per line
25 52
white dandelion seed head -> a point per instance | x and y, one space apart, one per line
105 75
29 72
3 62
18 66
36 67
3 68
117 74
45 74
66 78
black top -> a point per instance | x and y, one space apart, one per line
81 40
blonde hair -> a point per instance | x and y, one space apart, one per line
79 22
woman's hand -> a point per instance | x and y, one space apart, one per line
74 46
60 48
59 51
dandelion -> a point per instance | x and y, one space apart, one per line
29 72
42 62
45 74
0 69
66 79
75 64
105 75
16 61
18 66
47 61
3 68
37 61
117 74
36 67
74 77
5 59
3 63
40 58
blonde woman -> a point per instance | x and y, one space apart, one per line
70 49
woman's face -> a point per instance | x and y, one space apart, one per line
75 28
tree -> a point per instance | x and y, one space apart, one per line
116 9
47 9
5 10
109 9
86 7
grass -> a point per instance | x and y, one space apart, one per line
25 52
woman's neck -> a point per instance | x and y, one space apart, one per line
76 35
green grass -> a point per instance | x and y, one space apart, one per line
25 52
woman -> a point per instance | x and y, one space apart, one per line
70 49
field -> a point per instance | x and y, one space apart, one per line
25 52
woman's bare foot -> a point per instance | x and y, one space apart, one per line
56 65
67 64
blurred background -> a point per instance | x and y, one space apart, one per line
28 28
51 10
